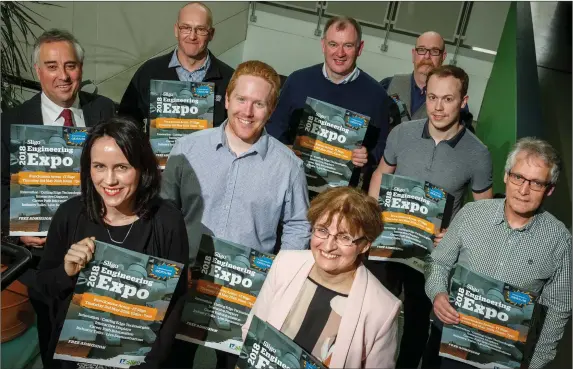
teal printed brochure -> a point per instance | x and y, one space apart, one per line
44 173
412 212
178 108
495 321
266 347
325 138
119 302
227 279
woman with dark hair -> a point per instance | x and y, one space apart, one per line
119 205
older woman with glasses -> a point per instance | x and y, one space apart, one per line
324 298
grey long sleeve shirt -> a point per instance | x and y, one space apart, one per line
240 199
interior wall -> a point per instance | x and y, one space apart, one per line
119 36
286 40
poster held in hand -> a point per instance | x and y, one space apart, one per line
227 279
118 304
412 212
44 173
178 108
266 347
326 136
495 321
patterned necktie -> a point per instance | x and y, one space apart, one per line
67 115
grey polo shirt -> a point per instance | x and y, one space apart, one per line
454 164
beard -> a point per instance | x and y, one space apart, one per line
422 63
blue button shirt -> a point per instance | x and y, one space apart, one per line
417 96
243 198
184 75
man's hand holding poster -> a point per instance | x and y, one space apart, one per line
495 319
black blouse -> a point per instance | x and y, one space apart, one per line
163 235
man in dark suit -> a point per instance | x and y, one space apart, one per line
58 61
191 61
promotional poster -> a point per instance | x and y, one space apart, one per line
119 303
44 173
412 212
325 138
178 108
495 320
266 347
227 279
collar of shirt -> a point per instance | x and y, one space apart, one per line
260 147
185 75
51 111
349 78
452 141
499 217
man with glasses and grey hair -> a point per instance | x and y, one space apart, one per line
512 240
191 61
408 91
58 61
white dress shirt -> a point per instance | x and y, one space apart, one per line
51 112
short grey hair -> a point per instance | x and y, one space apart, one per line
56 35
538 148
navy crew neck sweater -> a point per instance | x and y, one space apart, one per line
364 95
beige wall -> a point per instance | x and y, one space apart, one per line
119 36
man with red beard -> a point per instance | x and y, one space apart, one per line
512 240
439 150
409 90
190 61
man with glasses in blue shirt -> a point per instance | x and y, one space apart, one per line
190 61
408 91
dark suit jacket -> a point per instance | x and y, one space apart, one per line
95 108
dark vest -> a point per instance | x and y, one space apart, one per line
401 86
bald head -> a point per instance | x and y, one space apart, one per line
435 53
431 38
195 8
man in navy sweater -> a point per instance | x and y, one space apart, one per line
340 82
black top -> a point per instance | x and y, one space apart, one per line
314 320
135 100
162 235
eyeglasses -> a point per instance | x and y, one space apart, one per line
200 31
518 180
341 239
433 52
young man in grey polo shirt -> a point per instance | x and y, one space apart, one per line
513 240
442 151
